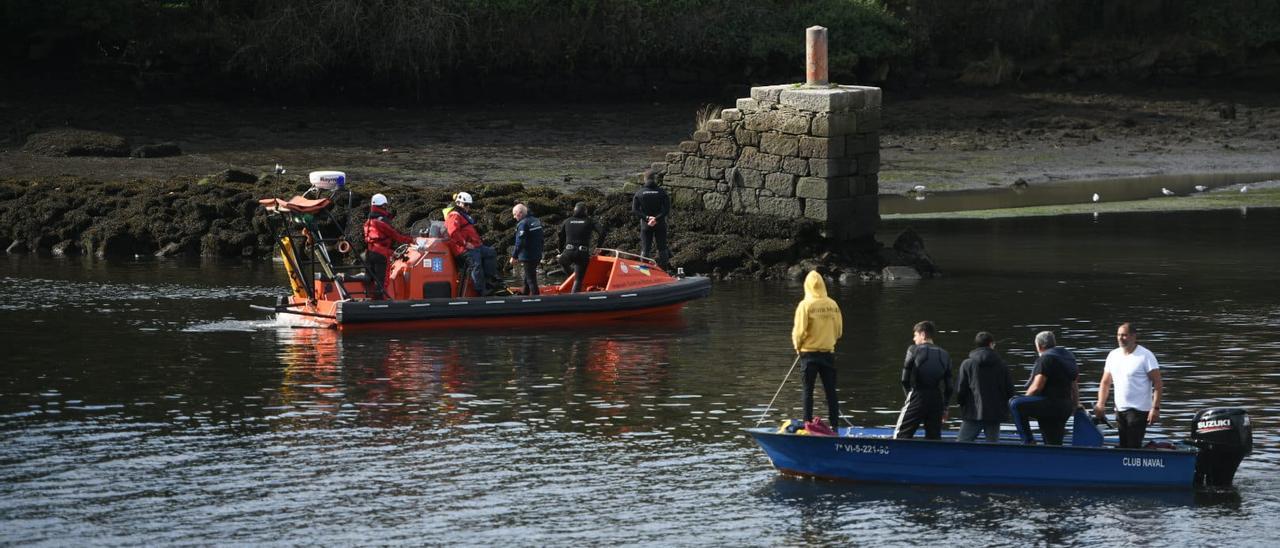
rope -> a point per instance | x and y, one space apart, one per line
775 394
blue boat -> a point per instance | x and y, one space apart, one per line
1220 439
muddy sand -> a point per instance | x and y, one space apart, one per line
945 141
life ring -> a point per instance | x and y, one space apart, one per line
344 246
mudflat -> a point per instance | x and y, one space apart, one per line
949 140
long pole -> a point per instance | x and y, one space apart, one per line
775 394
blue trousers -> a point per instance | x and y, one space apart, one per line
1051 415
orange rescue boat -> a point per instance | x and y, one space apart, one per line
427 288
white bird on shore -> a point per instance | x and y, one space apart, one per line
1201 188
1096 197
1166 191
1244 188
918 188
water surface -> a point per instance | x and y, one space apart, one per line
142 402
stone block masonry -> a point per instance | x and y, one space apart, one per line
796 151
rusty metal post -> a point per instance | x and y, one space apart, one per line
815 49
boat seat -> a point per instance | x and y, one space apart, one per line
296 204
1083 432
436 290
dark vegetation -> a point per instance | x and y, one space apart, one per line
414 50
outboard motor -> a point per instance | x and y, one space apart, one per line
1224 437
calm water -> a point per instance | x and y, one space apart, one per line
142 402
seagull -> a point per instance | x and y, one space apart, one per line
918 188
1201 188
1096 197
1244 188
1166 191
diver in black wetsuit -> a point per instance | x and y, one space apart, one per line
575 239
926 377
652 205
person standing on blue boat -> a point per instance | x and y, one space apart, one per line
983 390
926 378
1136 375
816 328
1053 393
528 248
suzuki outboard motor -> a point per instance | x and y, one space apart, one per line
1224 437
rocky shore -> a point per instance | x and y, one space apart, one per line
219 216
184 179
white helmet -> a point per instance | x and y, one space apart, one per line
378 200
462 198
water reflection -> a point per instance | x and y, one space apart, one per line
606 377
844 513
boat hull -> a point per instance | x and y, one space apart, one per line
872 455
520 310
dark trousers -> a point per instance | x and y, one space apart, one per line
923 407
1132 424
482 264
1051 415
969 429
575 261
813 365
376 264
530 277
650 235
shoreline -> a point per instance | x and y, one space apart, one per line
554 155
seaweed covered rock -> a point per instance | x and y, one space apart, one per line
76 142
223 219
157 150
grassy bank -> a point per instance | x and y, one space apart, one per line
1232 199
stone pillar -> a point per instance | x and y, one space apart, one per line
815 50
795 151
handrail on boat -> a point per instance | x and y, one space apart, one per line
609 251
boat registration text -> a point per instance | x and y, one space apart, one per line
864 448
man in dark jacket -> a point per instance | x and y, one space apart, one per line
1053 393
652 205
528 248
926 378
983 390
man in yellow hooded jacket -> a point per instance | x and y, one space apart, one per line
817 326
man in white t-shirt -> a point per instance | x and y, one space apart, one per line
1136 375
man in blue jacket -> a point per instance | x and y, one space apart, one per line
528 248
